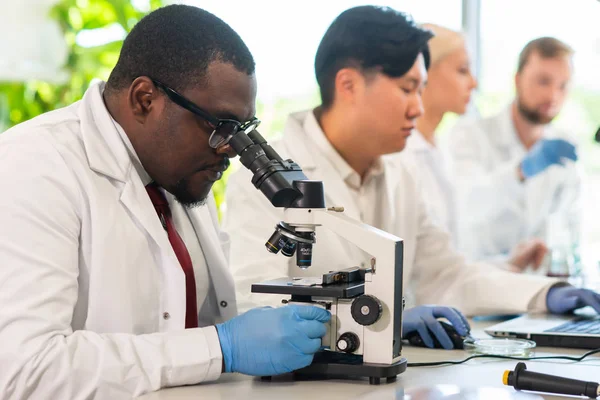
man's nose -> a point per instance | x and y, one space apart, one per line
415 109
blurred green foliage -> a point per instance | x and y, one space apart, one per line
20 101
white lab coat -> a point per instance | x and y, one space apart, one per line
437 190
433 272
92 294
496 210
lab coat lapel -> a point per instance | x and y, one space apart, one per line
215 248
107 155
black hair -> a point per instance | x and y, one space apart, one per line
175 45
369 38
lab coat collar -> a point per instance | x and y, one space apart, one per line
107 154
300 135
104 147
318 137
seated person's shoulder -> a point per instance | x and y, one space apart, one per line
52 130
48 145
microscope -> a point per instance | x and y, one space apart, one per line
364 338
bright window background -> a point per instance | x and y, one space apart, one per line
283 37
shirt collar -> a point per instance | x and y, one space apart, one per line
350 177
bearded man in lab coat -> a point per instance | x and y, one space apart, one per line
107 250
371 69
514 172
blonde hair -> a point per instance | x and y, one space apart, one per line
444 42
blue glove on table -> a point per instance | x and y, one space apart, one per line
545 153
270 341
564 299
424 319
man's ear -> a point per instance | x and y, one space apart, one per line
349 82
143 97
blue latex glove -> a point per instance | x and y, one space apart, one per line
545 153
424 319
270 341
564 299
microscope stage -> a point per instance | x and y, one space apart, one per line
285 286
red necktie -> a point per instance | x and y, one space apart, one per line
164 213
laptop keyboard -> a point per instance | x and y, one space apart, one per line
580 325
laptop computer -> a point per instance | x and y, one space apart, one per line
580 330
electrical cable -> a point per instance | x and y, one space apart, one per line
457 362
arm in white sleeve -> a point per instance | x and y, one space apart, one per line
484 195
250 221
41 356
442 276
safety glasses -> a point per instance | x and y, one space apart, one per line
223 129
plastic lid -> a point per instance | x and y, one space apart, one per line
500 346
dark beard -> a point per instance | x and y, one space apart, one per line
184 197
532 116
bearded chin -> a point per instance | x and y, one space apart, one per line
184 197
531 115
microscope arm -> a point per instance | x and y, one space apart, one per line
387 251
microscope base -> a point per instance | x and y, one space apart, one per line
328 364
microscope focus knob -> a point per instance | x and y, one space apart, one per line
348 342
366 309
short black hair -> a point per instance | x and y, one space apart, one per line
175 45
369 38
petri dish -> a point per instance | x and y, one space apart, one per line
500 346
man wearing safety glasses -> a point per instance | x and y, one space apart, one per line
113 269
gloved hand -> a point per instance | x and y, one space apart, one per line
270 341
545 153
564 299
424 319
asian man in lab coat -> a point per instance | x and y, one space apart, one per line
371 69
514 172
113 270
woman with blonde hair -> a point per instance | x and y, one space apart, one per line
449 87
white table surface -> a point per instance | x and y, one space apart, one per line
476 373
